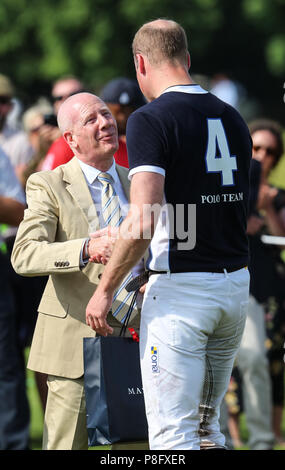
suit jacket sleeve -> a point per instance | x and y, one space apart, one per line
41 248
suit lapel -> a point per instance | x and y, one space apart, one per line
123 175
78 188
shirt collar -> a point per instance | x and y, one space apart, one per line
92 173
191 88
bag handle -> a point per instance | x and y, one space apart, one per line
134 285
128 315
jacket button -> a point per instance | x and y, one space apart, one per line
56 263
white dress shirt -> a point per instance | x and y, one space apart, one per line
95 187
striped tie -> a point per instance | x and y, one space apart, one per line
112 216
111 211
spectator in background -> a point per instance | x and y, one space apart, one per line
225 89
13 141
268 279
59 152
14 117
234 93
251 361
262 371
14 408
122 96
26 292
34 123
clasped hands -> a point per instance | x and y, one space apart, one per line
100 248
101 244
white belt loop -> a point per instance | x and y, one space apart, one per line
168 274
226 273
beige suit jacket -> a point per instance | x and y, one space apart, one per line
49 242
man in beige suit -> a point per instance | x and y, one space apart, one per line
53 239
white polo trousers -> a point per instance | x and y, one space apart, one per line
191 328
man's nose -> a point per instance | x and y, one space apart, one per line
104 121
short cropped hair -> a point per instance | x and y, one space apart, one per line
275 129
160 43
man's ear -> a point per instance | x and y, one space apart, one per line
188 60
140 64
68 137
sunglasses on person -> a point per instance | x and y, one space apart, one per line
270 151
5 100
64 97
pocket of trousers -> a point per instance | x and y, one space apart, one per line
241 322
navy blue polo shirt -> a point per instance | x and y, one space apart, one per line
202 146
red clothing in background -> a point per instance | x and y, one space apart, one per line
58 154
121 156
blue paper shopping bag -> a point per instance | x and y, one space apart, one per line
113 391
113 386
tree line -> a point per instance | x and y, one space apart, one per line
42 40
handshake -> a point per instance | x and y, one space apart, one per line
98 248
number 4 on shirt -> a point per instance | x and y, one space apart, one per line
218 157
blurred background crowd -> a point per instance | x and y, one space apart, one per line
52 49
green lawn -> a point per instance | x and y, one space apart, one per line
37 418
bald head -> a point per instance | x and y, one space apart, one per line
161 41
89 128
70 110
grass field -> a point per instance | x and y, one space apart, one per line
37 418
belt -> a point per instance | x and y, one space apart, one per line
221 270
140 280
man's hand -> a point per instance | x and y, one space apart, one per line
100 250
96 312
101 245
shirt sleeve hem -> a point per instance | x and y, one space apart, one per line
151 168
